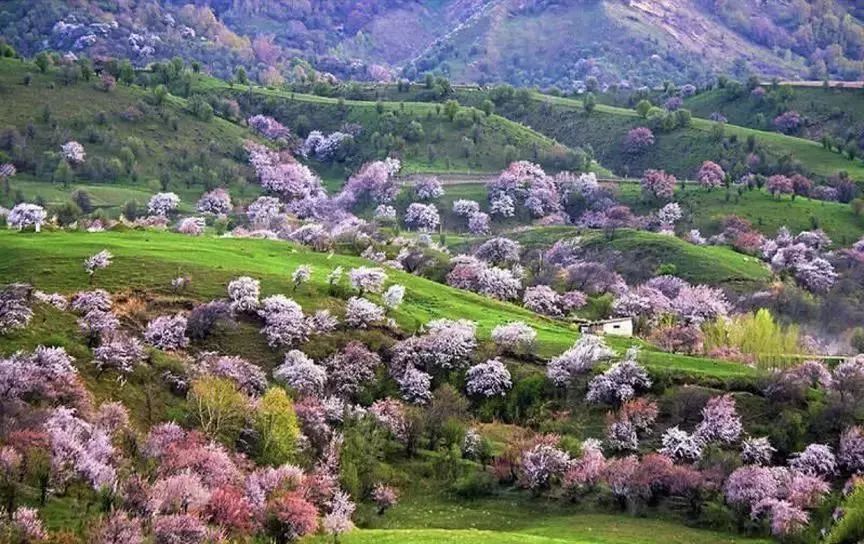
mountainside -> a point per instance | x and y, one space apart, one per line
529 42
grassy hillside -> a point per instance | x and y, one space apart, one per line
148 261
714 265
136 147
166 141
836 112
704 210
470 141
680 151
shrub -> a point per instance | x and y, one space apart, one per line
475 485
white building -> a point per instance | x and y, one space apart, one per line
619 326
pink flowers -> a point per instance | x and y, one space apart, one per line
428 188
788 122
515 337
25 215
620 383
578 360
365 279
780 185
99 261
162 204
362 313
300 373
14 311
711 175
385 497
489 379
167 332
658 184
851 452
543 463
720 421
268 127
638 139
73 152
815 460
422 217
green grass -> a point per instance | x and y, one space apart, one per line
714 265
704 210
814 157
680 151
146 262
829 111
74 112
427 514
110 198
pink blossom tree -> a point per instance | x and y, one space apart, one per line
163 204
620 383
385 497
542 464
14 310
284 322
363 313
851 451
587 352
248 377
73 152
658 184
365 279
711 175
179 529
638 139
215 202
757 451
515 337
351 369
99 261
338 521
167 332
268 127
488 379
815 460
300 373
25 215
428 188
264 212
422 217
780 185
720 421
118 351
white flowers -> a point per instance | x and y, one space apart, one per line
489 379
98 261
161 204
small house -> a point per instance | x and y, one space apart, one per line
619 326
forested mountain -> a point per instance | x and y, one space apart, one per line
529 42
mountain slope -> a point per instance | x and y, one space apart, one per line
530 42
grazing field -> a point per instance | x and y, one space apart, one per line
428 515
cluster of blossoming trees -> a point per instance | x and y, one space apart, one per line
202 489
